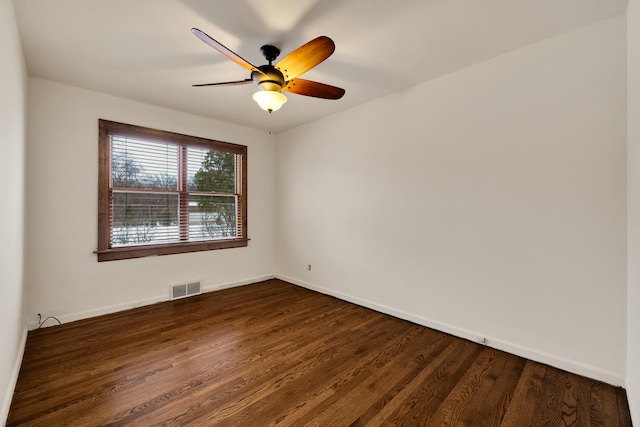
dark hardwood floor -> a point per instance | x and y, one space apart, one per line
273 353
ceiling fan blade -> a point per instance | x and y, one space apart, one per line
315 89
224 50
306 57
235 83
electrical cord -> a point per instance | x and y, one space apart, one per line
50 317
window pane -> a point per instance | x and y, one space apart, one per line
212 217
210 170
164 193
137 163
140 218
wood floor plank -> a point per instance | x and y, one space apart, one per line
268 368
570 402
525 398
330 359
419 406
453 408
366 380
272 354
359 394
583 409
494 407
488 405
550 405
623 407
406 385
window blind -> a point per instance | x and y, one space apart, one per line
163 192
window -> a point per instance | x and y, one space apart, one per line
164 193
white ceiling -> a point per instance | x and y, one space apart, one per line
143 49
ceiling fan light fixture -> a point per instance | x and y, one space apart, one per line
269 100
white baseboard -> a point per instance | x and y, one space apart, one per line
237 284
72 317
11 386
531 354
518 350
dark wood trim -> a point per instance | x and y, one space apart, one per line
170 137
168 249
104 180
107 253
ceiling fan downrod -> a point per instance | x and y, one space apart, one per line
270 52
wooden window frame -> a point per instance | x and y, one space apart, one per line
107 253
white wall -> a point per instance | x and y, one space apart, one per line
489 202
63 275
633 256
13 87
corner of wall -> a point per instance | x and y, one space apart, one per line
13 87
11 385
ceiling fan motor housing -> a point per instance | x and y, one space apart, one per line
272 79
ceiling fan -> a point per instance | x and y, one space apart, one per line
272 79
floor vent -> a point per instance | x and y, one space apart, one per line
183 290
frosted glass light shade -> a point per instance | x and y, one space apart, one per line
269 100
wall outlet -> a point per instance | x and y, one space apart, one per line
308 267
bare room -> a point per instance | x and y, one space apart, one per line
419 212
